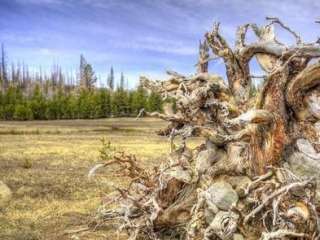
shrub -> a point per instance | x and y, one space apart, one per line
22 112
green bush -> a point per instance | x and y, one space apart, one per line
22 113
8 111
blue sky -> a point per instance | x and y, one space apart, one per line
135 36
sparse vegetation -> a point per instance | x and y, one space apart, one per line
55 195
27 163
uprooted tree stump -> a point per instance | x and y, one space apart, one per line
238 183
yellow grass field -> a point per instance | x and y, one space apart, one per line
45 163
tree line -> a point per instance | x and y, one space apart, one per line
26 95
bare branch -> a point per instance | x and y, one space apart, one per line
241 36
284 189
277 21
279 234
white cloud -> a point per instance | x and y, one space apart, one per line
49 52
156 44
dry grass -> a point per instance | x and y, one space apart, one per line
45 163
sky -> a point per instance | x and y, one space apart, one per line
137 37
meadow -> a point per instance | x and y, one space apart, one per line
45 163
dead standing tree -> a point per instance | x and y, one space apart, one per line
234 185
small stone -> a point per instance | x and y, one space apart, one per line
5 195
181 174
222 195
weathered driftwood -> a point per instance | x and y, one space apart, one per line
193 195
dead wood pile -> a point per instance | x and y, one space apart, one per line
240 183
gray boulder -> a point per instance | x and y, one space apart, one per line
305 162
179 173
204 160
305 147
222 195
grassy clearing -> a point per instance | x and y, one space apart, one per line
45 163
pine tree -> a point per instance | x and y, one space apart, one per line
1 79
22 112
38 103
83 64
24 76
122 81
120 103
61 78
139 100
89 77
103 103
111 80
18 75
11 98
13 72
154 103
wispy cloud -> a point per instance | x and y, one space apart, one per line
140 36
158 44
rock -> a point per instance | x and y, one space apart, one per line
5 195
304 165
222 195
208 215
179 173
205 159
306 148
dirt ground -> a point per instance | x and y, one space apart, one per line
45 163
